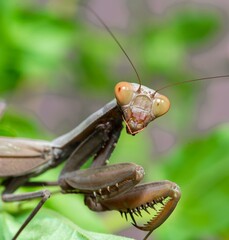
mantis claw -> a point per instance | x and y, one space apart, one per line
161 197
162 207
104 182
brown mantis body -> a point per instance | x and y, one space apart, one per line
105 187
110 187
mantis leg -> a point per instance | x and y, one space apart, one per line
11 197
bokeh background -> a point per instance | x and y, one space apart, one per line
58 65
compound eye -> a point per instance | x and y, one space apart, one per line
161 105
124 93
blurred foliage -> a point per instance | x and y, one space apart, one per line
43 44
167 44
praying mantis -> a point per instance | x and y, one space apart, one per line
110 187
105 187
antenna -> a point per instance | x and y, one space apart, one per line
190 81
116 40
132 64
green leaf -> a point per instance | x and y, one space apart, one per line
48 225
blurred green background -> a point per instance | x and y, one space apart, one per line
58 65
